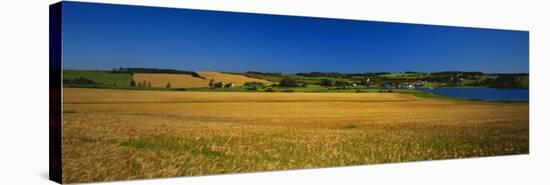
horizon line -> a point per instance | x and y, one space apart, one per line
412 71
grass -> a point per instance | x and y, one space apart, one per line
123 134
102 77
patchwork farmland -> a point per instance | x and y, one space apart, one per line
155 80
188 81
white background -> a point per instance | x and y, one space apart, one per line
24 90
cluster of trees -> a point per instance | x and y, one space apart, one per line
451 76
154 70
252 86
414 72
502 81
455 78
146 84
448 78
332 83
262 73
140 84
507 81
366 81
214 84
341 75
289 82
510 74
322 74
457 73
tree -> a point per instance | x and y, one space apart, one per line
454 81
211 83
340 83
133 83
254 84
218 85
139 84
228 85
288 82
253 88
326 83
148 84
168 85
507 81
365 81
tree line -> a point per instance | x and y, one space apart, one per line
154 70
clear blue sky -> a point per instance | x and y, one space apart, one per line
100 36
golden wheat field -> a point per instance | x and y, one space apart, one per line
238 80
188 81
124 134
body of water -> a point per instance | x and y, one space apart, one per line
492 94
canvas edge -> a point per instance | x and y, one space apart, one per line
55 127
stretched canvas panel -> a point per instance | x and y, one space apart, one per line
146 92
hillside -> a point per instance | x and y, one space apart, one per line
96 78
175 80
238 80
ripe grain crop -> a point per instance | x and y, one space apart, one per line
123 134
175 80
238 80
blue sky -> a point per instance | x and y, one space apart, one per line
102 37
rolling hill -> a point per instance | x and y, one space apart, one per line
238 80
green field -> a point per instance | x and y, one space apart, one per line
102 78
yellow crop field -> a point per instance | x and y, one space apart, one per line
188 81
175 80
238 80
123 134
